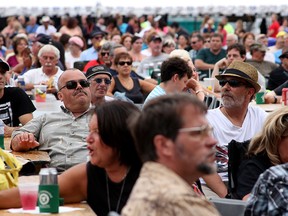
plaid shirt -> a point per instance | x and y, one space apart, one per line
270 193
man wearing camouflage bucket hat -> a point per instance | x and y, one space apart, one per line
234 119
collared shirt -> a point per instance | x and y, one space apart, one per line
160 191
36 76
89 54
62 135
270 193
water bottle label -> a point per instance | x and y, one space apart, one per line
48 198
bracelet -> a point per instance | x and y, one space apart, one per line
275 99
198 91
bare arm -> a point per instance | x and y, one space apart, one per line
10 198
201 65
223 63
23 120
73 184
215 183
111 88
197 88
146 86
271 98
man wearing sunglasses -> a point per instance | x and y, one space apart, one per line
103 57
62 134
235 119
99 78
92 52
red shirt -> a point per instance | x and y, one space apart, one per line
274 26
91 64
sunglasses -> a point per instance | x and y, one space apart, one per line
100 80
104 53
72 84
98 37
207 41
232 83
122 63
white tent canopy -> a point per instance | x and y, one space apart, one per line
139 7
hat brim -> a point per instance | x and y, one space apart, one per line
5 66
256 86
97 73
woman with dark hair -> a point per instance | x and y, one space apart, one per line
134 88
71 28
106 181
135 52
19 44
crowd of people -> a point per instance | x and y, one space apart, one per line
134 102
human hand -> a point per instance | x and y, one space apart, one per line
223 63
26 140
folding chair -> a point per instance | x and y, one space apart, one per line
228 207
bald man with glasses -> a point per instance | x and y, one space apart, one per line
62 133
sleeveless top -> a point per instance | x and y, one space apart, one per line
134 94
97 194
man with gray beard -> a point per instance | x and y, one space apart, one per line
176 149
235 119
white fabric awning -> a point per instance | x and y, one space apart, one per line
139 7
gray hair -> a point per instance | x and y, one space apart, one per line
49 48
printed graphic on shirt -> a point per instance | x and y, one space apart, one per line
6 114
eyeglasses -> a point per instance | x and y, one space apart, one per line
232 83
122 63
202 130
104 53
72 84
100 80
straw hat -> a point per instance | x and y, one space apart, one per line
242 70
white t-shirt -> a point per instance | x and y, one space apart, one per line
225 131
36 76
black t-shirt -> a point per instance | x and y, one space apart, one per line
97 197
14 103
249 171
277 77
135 94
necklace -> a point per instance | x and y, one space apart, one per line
121 191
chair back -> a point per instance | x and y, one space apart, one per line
80 65
228 207
212 102
237 152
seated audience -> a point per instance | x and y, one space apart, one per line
106 181
267 149
62 133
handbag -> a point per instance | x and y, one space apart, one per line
9 170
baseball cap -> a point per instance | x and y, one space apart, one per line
98 69
43 39
242 70
76 40
4 65
97 32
